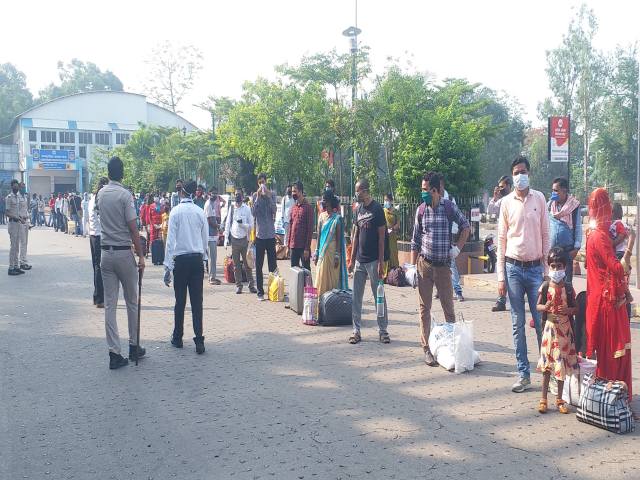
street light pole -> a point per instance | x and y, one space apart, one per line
638 183
352 33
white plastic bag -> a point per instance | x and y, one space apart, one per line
441 344
573 384
411 275
463 352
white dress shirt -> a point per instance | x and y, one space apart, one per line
94 217
188 232
58 205
287 203
238 230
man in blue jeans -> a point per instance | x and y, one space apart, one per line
565 222
523 244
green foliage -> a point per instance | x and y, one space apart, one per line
15 98
78 76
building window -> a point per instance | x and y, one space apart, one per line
122 138
33 136
48 147
47 136
103 138
85 138
67 137
83 151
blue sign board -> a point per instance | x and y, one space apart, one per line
40 155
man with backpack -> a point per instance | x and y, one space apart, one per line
432 252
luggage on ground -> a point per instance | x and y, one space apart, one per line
71 227
310 310
396 277
229 270
335 308
605 404
299 279
276 287
157 252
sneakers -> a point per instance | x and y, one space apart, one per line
116 361
214 281
199 341
15 271
429 358
25 266
521 385
132 352
499 307
459 297
252 289
239 290
261 297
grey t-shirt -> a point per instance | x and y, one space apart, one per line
264 211
116 207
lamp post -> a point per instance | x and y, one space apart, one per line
352 33
638 183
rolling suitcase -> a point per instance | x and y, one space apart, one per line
335 308
297 283
157 252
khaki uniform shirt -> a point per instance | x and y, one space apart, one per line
116 209
16 206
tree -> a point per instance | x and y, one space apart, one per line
15 98
173 73
78 76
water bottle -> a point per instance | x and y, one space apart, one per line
380 299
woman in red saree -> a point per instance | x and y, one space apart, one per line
607 323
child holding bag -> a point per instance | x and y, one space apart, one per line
557 303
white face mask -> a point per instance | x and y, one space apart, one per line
557 275
521 181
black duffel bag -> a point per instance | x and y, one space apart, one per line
335 308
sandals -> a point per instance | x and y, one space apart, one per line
562 406
542 406
355 338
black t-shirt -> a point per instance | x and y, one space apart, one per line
369 219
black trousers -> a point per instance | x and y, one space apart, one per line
269 246
297 257
96 256
188 274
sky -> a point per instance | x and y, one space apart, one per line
498 43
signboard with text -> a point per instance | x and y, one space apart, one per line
53 159
559 139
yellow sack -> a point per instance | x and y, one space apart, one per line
276 287
252 235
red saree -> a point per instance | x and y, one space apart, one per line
608 328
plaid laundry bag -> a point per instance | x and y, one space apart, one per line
604 403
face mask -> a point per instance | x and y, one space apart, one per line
328 189
387 204
178 188
554 197
295 196
521 181
426 197
238 199
157 208
557 275
15 189
288 193
504 192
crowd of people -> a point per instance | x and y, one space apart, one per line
537 242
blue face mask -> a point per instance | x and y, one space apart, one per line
426 197
554 197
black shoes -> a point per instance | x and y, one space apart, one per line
253 289
199 341
25 266
132 352
499 307
176 342
15 271
117 361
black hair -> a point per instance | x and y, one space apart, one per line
434 179
262 176
115 168
190 187
507 179
299 186
364 184
330 201
557 255
521 159
14 181
179 180
617 211
200 187
562 182
331 183
389 196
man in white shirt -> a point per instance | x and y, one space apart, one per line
237 228
287 203
213 225
187 242
93 216
85 214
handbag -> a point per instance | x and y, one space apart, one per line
310 309
604 404
276 287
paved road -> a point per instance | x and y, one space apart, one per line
271 398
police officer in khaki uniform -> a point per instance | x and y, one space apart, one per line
118 265
16 212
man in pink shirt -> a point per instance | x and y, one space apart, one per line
523 244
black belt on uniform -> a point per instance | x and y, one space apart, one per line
518 263
188 255
114 247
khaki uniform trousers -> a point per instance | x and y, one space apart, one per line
14 229
428 276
